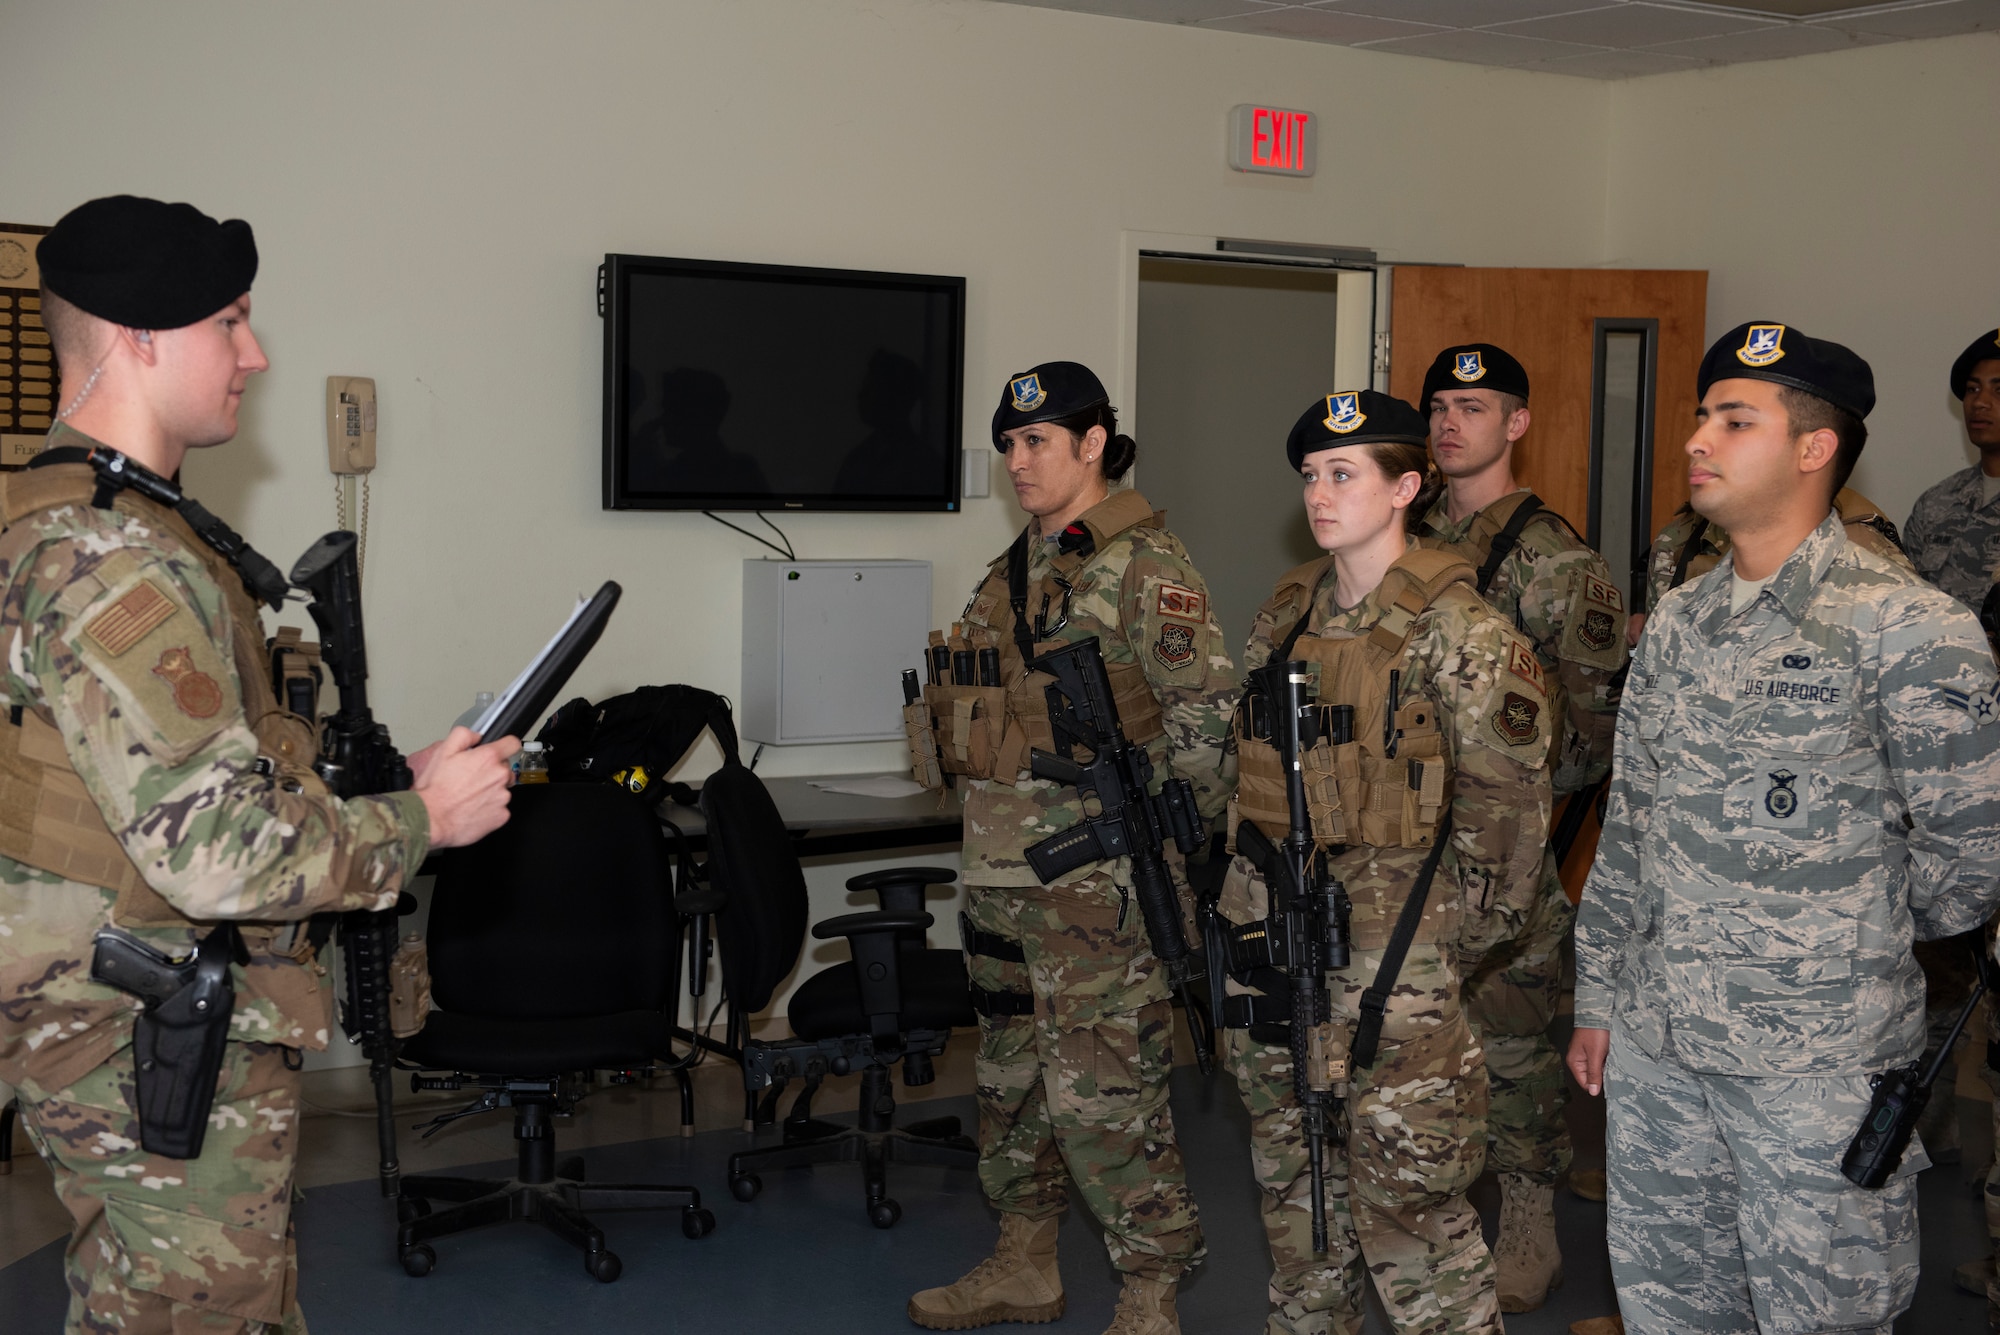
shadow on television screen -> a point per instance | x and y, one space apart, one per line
765 387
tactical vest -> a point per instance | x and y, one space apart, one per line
986 732
1390 785
47 818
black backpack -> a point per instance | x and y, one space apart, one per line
633 740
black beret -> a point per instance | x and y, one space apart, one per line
1354 417
1985 348
1474 366
1767 350
145 264
1044 393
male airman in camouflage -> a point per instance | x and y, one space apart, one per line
1807 780
1538 574
1954 531
148 781
1076 1029
1469 698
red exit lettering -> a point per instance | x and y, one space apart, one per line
1277 138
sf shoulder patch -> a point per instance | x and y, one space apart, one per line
1521 661
1595 634
1175 645
1178 600
128 620
1516 720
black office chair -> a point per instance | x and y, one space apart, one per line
7 1115
553 947
894 1001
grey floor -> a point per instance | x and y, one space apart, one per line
802 1256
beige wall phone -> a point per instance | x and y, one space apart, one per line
350 450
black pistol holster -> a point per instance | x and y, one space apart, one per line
178 1039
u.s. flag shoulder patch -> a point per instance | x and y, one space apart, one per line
142 608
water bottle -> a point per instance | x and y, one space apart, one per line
534 764
480 704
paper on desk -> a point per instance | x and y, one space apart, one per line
870 785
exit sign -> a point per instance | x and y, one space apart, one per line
1273 139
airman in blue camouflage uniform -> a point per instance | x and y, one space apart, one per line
1954 531
1807 781
149 781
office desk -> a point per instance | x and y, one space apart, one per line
823 823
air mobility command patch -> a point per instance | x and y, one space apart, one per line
1595 633
1174 626
1175 645
1515 721
158 663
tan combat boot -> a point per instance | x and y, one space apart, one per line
1588 1184
1598 1325
1146 1307
1019 1282
1528 1261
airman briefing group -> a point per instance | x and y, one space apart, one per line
1803 790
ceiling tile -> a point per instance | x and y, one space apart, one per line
1634 25
1798 9
1163 11
1943 20
1459 13
1482 48
1767 44
1321 25
1619 65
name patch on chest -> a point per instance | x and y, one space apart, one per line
1177 600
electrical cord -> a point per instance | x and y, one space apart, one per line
784 551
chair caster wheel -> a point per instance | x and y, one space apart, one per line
604 1267
697 1223
409 1209
884 1213
418 1261
745 1188
571 1168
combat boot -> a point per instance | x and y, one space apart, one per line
1598 1325
1146 1307
1588 1184
1526 1257
1019 1282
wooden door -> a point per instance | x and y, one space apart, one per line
1549 319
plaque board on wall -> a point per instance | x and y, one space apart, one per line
29 383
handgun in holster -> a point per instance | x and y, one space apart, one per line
177 1042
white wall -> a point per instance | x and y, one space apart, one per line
1853 195
433 185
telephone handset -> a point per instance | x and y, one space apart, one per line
350 424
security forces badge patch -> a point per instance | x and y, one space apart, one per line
1763 345
1469 366
1779 799
1343 412
1028 393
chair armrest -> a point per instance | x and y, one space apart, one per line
868 924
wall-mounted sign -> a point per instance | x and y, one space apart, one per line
29 384
1273 139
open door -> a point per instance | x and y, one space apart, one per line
1612 356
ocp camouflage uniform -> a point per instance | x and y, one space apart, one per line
1953 537
1412 1138
1560 595
1802 788
133 655
1081 1084
1671 563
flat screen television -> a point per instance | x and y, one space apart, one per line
769 387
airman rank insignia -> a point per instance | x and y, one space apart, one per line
1515 719
196 694
1343 412
1779 799
1983 705
1028 393
1762 347
1175 646
1469 366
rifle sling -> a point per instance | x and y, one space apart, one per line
1507 539
1688 549
115 473
1374 1001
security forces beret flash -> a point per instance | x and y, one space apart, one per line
1354 417
1045 393
145 264
1474 366
1985 348
1766 350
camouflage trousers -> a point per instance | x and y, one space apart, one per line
1404 1147
1078 1090
1511 1003
171 1246
1728 1210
